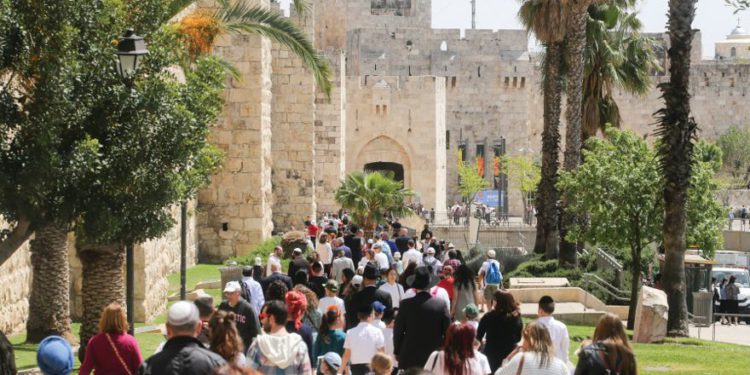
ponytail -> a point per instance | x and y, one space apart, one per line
328 320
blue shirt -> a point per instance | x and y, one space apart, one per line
335 343
256 293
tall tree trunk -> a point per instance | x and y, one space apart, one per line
635 284
103 283
547 240
49 303
677 131
576 38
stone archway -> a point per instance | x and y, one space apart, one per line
394 169
386 154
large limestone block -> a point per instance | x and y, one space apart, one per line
651 316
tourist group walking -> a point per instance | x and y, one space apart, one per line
350 304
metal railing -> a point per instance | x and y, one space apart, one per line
609 259
609 289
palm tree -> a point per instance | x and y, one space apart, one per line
102 273
370 197
677 131
200 30
49 302
617 56
575 47
546 19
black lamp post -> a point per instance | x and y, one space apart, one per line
130 52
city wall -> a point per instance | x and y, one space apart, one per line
154 260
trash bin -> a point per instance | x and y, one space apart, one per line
703 312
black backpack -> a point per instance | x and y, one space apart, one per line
245 291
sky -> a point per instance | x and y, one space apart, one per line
713 17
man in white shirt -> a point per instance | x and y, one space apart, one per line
274 258
362 342
558 332
381 258
411 255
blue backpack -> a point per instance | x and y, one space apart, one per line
493 274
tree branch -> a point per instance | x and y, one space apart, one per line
15 239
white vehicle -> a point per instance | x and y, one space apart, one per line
742 277
729 258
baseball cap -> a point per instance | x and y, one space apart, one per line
431 250
378 306
332 285
182 313
357 280
471 311
491 253
450 246
232 286
333 360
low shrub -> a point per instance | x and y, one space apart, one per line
262 250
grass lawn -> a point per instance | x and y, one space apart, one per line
675 356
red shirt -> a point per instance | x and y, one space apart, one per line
101 357
447 284
312 230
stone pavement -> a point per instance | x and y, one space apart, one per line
729 334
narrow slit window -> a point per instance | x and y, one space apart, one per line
377 109
523 82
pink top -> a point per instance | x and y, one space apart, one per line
100 355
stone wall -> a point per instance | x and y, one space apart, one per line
400 120
156 259
293 134
15 278
234 212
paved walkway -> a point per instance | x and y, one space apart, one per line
730 334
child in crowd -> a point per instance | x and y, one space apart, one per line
331 298
471 315
379 309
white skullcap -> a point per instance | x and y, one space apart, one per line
182 313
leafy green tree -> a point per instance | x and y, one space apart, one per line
617 56
735 148
546 19
525 172
677 131
706 215
626 210
370 197
471 181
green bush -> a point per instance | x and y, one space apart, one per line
263 250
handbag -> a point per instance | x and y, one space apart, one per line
117 354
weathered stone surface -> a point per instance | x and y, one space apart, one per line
651 316
292 240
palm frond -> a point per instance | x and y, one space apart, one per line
239 17
302 7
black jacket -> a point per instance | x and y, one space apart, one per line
365 297
419 330
273 277
402 243
298 263
354 244
182 355
248 325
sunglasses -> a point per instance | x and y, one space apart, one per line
262 316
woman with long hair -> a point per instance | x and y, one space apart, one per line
465 291
225 340
458 356
331 336
112 350
609 352
536 356
312 316
502 327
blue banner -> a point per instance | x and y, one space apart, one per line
491 198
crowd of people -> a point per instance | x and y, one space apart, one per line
356 304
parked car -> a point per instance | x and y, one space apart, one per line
742 277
